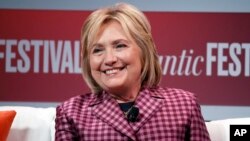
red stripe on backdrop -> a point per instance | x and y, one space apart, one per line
38 47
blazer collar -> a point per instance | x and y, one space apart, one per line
107 109
149 101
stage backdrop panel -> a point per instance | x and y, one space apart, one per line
205 53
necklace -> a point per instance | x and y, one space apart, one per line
126 107
126 112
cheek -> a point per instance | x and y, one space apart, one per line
94 68
94 63
134 59
139 65
138 57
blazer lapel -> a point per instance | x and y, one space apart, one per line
108 110
148 103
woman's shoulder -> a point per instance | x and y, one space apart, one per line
178 98
77 102
174 93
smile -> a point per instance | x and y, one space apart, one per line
113 71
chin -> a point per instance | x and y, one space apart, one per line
113 87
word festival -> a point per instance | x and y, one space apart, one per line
38 56
63 56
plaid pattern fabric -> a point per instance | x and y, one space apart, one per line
166 114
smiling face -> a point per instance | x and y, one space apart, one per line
115 60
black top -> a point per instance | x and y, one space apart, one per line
126 106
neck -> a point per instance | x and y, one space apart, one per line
121 100
126 96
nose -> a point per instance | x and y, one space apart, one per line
110 58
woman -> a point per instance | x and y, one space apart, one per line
120 65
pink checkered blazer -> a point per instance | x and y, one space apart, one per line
166 114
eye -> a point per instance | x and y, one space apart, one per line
121 45
97 50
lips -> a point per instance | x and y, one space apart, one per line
113 71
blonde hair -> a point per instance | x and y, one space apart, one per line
136 25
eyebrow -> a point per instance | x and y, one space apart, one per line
115 42
120 40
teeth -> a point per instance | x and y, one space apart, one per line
112 71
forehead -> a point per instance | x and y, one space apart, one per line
111 30
115 29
